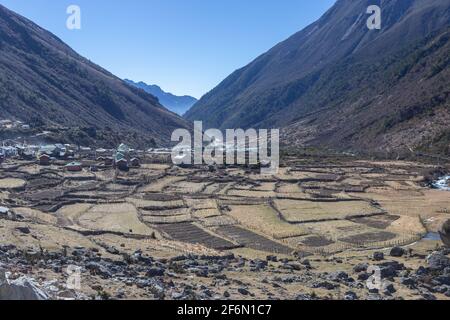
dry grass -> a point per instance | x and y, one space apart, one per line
185 187
288 188
160 184
198 204
206 213
36 215
116 218
166 213
252 194
298 211
218 221
10 183
265 219
46 236
167 219
154 204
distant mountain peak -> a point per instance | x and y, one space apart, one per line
177 104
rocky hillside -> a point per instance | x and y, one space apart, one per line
337 84
177 104
45 83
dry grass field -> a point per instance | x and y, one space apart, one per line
10 184
265 219
299 211
346 210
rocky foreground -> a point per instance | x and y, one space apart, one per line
44 275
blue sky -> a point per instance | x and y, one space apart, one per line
185 46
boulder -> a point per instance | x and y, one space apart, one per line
437 261
155 272
325 285
361 267
339 276
98 269
243 291
397 252
4 211
408 281
445 233
378 256
23 288
389 289
350 295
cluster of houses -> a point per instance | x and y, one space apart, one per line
123 158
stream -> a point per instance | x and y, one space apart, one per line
443 183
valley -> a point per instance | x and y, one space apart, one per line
354 201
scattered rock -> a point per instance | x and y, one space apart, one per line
350 295
23 288
378 256
203 273
155 272
443 280
306 263
4 211
363 276
112 250
409 282
98 269
339 276
437 261
361 267
421 271
325 285
243 291
426 295
24 230
445 233
388 272
306 297
442 289
389 289
397 252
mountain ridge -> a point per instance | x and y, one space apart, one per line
177 104
46 83
300 77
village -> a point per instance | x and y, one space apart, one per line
75 158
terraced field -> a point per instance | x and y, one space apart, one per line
253 240
190 233
308 204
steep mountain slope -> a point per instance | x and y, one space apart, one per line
338 84
177 104
45 83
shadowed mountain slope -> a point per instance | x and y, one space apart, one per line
45 83
338 84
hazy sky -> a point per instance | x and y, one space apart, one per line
185 46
